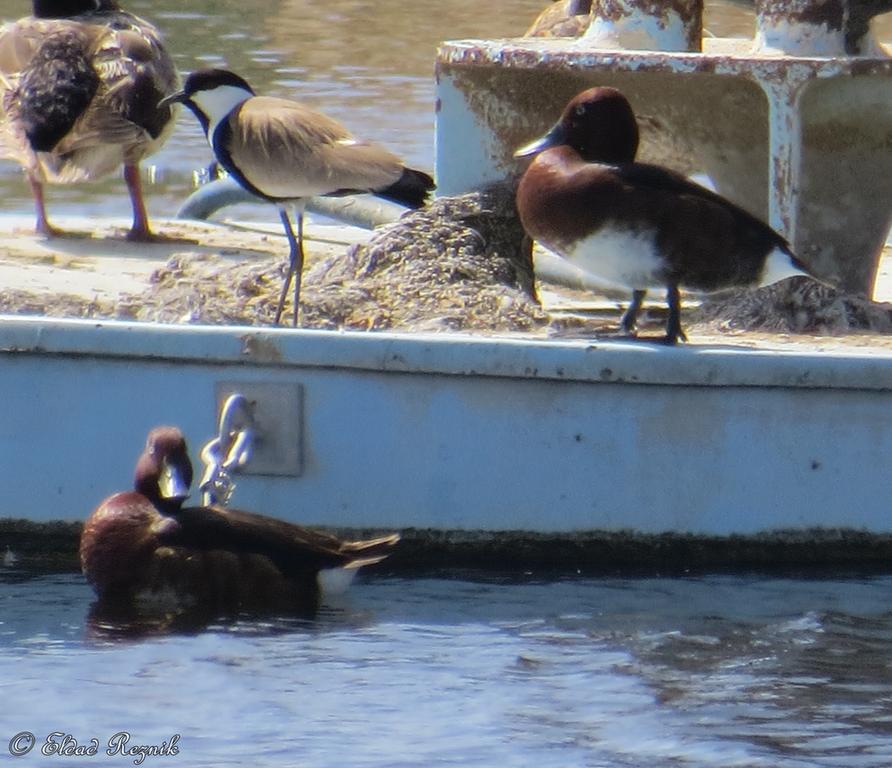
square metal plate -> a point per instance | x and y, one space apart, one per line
277 410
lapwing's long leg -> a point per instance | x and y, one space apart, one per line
292 261
629 320
295 262
674 331
299 265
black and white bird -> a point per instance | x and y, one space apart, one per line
80 86
284 152
639 226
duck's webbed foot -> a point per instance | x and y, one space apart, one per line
628 324
674 331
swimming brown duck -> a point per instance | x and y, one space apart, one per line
80 85
144 548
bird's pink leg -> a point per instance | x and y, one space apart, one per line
42 226
140 231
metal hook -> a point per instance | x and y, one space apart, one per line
236 431
229 451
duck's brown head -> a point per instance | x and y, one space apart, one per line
598 124
164 472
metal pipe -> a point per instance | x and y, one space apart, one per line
363 211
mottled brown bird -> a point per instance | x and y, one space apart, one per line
80 86
563 18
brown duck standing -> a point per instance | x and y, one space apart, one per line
80 85
636 225
143 549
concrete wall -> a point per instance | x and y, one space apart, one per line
454 432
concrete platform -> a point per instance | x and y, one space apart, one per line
48 276
102 264
502 450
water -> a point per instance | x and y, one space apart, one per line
368 63
709 671
610 672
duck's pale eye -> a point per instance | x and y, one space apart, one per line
580 110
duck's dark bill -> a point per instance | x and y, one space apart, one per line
172 485
554 138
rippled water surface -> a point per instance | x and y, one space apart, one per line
663 673
710 671
369 63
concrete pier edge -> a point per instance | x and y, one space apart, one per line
51 547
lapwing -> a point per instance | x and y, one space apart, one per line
284 152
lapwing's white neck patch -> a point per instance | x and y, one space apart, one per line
218 102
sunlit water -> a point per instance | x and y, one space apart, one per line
664 673
368 63
699 672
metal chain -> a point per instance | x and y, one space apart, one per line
229 451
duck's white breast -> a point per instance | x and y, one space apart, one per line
622 257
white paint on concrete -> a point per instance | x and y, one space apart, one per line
639 31
462 432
